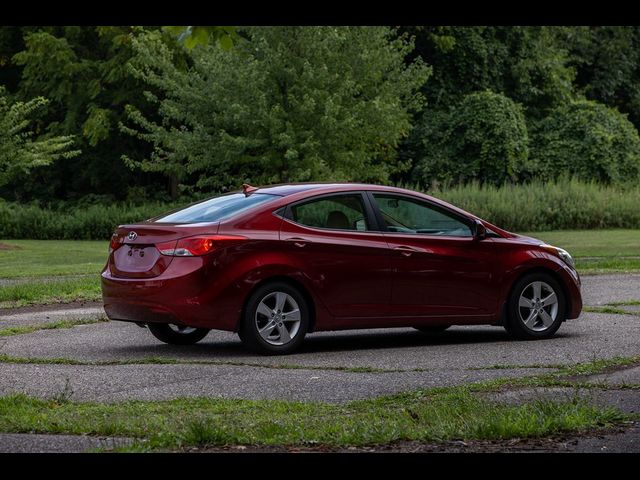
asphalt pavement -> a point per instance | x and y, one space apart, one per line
385 361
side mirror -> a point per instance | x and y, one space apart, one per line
480 232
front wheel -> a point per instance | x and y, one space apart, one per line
536 307
275 320
176 334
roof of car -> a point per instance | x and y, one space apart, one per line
292 188
284 190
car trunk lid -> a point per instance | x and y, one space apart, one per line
137 255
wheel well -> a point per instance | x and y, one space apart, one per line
544 270
294 283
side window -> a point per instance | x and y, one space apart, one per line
405 215
338 212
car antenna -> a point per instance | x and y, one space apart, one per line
248 189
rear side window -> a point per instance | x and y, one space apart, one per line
338 212
216 209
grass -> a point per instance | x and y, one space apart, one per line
598 251
35 258
71 361
598 366
594 243
450 413
49 291
434 415
507 366
557 378
172 361
608 309
11 331
625 303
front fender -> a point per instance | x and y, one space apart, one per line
542 261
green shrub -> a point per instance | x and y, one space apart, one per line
557 205
73 222
587 140
483 138
536 206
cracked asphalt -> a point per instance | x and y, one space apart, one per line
392 360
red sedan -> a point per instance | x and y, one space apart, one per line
278 262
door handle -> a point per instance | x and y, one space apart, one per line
298 242
406 250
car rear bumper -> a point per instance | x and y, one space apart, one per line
140 313
183 295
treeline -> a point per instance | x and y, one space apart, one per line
119 114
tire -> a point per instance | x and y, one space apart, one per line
172 334
529 316
433 329
270 303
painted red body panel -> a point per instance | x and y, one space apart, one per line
353 279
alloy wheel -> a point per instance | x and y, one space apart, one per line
181 329
538 306
277 318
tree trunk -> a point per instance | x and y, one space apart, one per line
173 186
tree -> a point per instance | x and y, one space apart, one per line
607 65
83 73
527 66
587 140
203 35
530 65
286 104
483 138
19 152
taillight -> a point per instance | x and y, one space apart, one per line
196 246
115 243
167 248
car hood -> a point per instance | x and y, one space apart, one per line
525 239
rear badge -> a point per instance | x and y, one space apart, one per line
132 235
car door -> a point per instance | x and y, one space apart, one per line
440 269
335 240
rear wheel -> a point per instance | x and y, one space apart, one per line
177 334
275 320
536 307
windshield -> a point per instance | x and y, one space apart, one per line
215 209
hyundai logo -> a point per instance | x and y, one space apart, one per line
132 235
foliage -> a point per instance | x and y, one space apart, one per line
287 104
587 140
19 151
607 64
72 222
527 64
535 206
83 73
229 105
484 137
554 205
203 35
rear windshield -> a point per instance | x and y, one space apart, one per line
216 209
